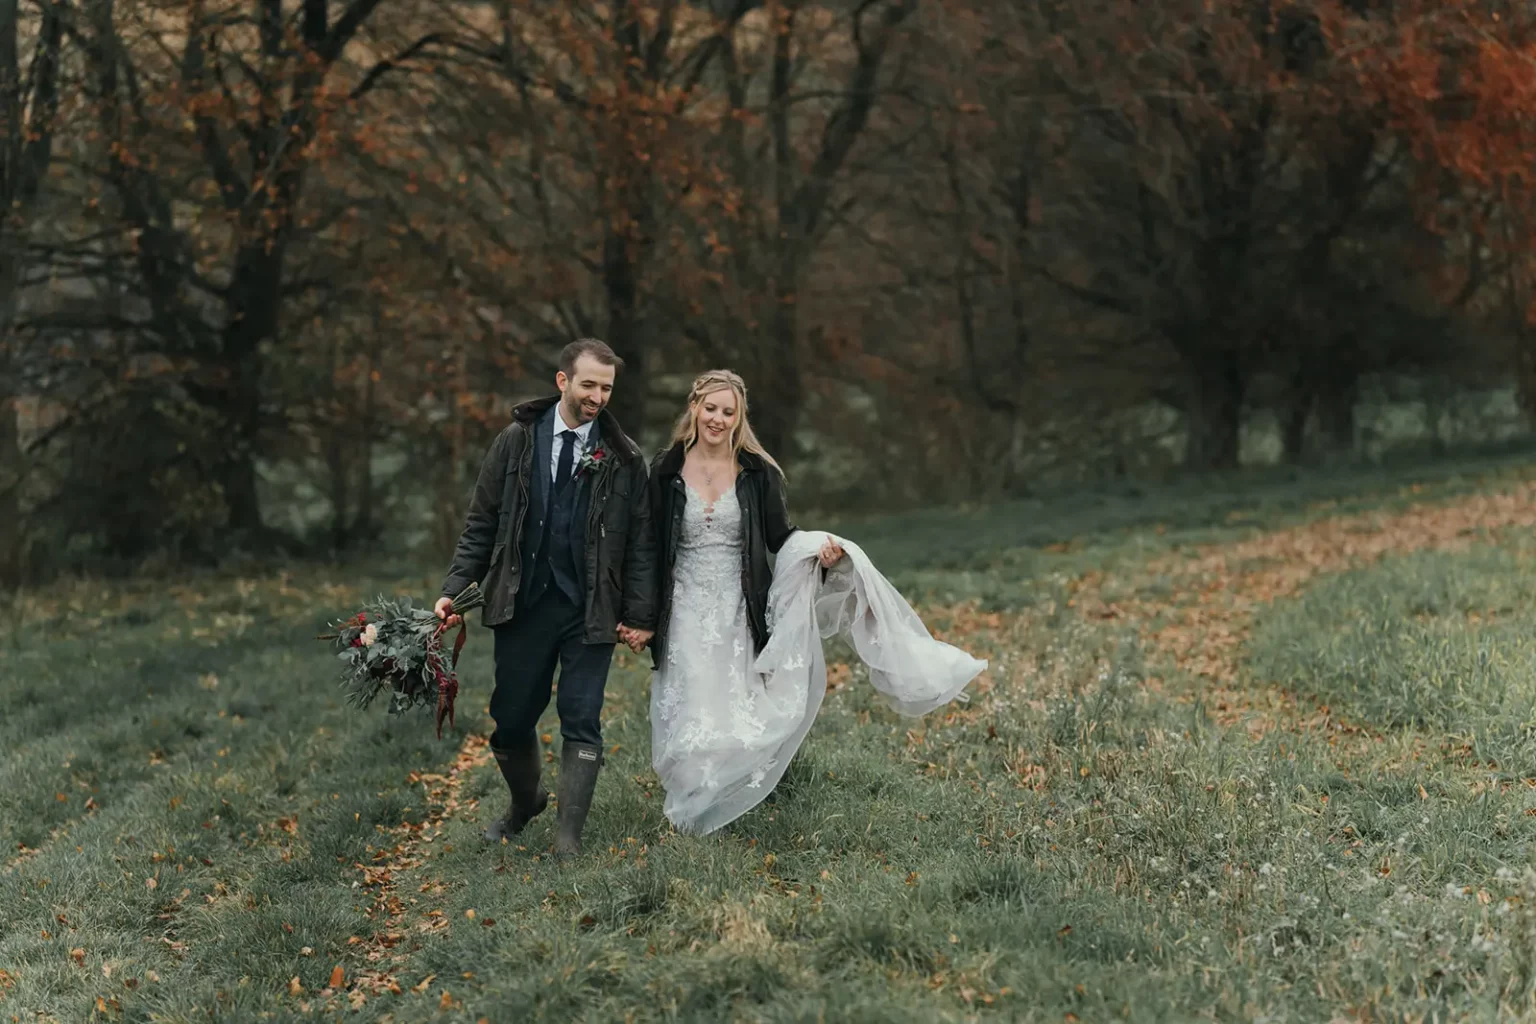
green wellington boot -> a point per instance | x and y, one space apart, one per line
579 765
520 766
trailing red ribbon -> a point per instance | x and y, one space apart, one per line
447 679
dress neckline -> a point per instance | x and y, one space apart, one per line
708 505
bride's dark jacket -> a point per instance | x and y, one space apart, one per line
765 525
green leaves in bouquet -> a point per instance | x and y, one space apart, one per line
385 650
395 661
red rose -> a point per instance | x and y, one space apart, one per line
597 455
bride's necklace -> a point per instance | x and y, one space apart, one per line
710 477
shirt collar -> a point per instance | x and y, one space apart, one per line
583 432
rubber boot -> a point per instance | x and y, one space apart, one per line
520 766
579 765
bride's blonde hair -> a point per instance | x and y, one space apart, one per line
742 437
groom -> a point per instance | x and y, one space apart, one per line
559 530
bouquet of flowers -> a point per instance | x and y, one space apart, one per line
395 647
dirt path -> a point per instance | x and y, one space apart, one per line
1217 590
404 901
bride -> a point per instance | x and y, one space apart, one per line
739 673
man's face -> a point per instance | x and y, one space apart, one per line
586 390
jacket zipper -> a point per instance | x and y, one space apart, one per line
604 484
594 514
524 465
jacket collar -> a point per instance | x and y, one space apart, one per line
612 434
670 462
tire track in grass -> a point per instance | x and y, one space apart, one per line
393 880
1202 624
25 853
406 898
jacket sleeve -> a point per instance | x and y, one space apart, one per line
640 561
777 526
472 555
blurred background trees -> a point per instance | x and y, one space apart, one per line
272 272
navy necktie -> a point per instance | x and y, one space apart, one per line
567 448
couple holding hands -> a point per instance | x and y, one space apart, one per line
577 544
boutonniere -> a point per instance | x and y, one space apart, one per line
592 459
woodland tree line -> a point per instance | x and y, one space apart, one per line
318 245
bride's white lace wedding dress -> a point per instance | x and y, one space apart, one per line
724 723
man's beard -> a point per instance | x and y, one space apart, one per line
576 409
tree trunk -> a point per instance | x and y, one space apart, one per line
801 201
335 447
364 525
1018 441
777 396
1293 428
12 533
28 111
254 297
1336 414
1295 412
1217 387
624 328
1515 300
10 451
1525 370
448 519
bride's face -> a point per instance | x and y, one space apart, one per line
717 413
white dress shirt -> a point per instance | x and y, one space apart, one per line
583 432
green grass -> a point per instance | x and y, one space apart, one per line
1437 641
1070 842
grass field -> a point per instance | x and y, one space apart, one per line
1258 754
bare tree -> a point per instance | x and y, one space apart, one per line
261 85
32 44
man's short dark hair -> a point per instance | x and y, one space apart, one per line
593 347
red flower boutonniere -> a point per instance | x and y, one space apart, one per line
591 460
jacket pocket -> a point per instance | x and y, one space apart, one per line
615 519
493 569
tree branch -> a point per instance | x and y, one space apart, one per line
357 12
656 52
270 21
1092 296
315 22
388 64
232 189
845 125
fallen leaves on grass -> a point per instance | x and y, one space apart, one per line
838 674
388 910
1202 623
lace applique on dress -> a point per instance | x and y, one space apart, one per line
707 704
